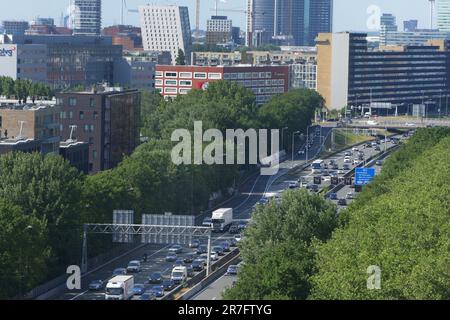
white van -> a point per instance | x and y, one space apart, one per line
179 275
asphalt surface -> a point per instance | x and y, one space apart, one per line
248 195
214 291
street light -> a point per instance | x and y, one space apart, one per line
293 143
282 136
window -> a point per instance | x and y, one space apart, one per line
92 102
94 154
72 102
170 90
159 74
91 128
91 140
199 75
215 76
86 128
185 83
170 82
186 75
159 82
171 74
95 116
70 114
184 91
81 115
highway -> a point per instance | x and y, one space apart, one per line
248 195
214 291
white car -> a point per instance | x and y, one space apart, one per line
355 149
294 185
347 160
356 162
350 195
340 172
301 152
238 237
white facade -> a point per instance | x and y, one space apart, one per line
304 75
166 28
443 12
86 17
219 25
340 70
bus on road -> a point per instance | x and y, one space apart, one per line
317 166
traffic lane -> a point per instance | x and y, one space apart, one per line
216 289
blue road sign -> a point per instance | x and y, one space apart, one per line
364 176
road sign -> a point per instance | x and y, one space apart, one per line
364 176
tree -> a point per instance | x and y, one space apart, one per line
181 58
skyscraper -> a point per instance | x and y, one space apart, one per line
166 28
86 16
443 15
301 19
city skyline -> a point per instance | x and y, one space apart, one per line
417 9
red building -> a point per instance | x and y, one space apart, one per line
264 81
127 36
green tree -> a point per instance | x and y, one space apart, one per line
181 58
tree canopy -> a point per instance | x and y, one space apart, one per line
22 89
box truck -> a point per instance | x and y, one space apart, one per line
120 288
222 219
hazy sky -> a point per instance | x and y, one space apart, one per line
348 14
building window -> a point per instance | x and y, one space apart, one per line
184 91
159 74
92 102
170 90
86 128
91 128
186 75
91 140
215 76
72 102
170 82
94 154
81 115
199 75
95 115
70 114
185 83
171 74
158 82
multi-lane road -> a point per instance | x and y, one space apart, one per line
214 291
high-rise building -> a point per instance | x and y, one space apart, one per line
86 16
443 15
166 28
15 28
388 24
299 20
219 29
410 25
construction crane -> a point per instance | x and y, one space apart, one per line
125 7
432 3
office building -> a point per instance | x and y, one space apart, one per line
15 28
108 119
31 126
77 153
213 59
290 22
166 28
264 81
26 62
443 15
413 38
351 75
137 69
129 37
86 17
69 61
389 21
219 29
410 25
19 145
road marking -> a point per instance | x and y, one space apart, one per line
79 295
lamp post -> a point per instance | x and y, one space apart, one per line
293 143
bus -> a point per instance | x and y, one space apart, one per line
317 166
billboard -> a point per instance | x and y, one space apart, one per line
123 217
8 60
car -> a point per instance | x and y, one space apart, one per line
214 256
347 160
333 196
190 270
119 272
355 149
379 163
234 228
356 162
341 172
202 249
243 225
178 263
347 154
335 166
325 166
148 295
342 202
96 285
374 144
226 246
350 195
134 266
233 242
155 278
194 243
207 222
138 289
218 250
325 173
176 248
331 162
232 270
293 185
171 257
301 152
314 188
189 257
158 291
346 167
377 148
263 201
198 265
168 285
238 237
368 145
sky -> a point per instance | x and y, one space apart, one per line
348 14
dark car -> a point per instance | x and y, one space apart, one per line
158 291
314 188
232 270
234 228
171 257
346 167
168 285
242 225
96 285
218 250
148 295
342 202
202 249
176 248
333 196
138 289
178 263
193 244
119 272
155 278
335 166
190 257
190 270
198 265
379 163
226 246
233 242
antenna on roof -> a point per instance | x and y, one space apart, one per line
21 123
72 129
